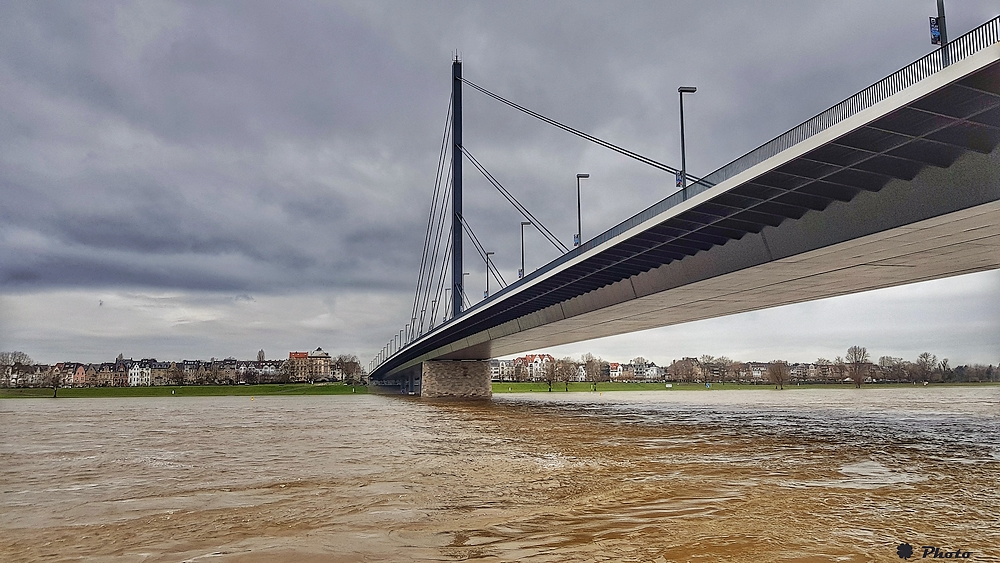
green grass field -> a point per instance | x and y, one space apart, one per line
188 391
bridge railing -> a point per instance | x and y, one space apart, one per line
962 47
956 50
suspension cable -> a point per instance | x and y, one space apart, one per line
437 248
591 138
438 295
431 219
517 204
482 252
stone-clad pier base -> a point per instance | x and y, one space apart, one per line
460 379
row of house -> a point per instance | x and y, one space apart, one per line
300 367
694 370
538 367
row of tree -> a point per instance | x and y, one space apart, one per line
856 365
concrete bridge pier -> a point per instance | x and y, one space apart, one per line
460 379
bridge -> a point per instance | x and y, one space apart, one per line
897 184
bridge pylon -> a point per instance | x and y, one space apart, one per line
457 279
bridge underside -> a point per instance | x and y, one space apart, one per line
892 237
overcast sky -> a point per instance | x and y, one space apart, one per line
187 180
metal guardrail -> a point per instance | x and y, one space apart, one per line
966 45
956 50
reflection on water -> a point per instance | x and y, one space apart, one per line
796 475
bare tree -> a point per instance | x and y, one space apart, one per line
725 367
708 366
839 368
549 373
565 370
349 367
213 371
857 364
778 373
16 357
592 367
53 379
176 374
260 356
823 366
519 372
945 370
926 363
892 368
284 374
252 376
735 369
683 370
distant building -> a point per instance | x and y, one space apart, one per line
532 367
319 364
140 373
754 372
161 373
309 366
615 371
502 370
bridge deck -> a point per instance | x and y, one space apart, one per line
780 225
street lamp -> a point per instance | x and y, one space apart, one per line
520 273
943 30
579 224
680 93
486 294
464 296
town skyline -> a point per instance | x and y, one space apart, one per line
318 365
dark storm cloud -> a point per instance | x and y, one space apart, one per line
259 146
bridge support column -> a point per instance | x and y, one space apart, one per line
460 379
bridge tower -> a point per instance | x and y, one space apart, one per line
457 279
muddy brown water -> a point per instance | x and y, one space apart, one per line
794 475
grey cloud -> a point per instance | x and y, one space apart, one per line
255 147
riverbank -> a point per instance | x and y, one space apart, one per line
187 391
341 389
608 386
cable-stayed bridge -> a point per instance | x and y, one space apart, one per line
897 184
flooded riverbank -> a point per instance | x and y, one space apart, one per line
802 475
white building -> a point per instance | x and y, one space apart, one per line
533 366
140 374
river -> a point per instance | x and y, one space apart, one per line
795 475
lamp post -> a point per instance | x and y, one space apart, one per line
680 93
943 28
520 273
464 295
579 223
486 294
